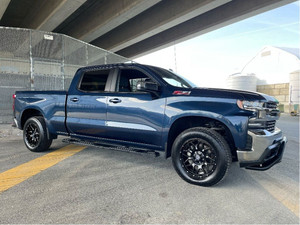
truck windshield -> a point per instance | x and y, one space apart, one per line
172 78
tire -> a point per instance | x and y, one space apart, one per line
201 156
35 134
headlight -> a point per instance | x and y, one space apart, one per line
250 105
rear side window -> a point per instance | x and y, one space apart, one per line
94 81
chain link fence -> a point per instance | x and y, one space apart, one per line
37 60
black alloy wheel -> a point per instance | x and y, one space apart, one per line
32 135
201 156
35 134
198 158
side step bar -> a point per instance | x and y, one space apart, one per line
111 147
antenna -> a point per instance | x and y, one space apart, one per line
175 60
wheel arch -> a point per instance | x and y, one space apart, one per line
190 121
28 113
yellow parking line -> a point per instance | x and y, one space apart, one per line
21 173
286 193
289 200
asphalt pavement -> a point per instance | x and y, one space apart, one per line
99 186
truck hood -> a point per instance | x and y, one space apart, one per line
230 93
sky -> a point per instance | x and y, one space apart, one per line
207 60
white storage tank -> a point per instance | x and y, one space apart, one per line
294 87
242 82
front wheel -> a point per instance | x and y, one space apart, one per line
201 156
35 134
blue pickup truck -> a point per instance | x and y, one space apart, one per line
147 109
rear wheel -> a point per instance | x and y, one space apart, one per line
35 134
201 156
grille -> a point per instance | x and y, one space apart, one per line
270 125
267 122
270 105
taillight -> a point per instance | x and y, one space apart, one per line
14 97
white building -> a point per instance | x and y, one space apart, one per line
273 65
274 71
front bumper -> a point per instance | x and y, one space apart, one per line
266 151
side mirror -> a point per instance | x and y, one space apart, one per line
147 86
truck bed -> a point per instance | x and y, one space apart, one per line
50 102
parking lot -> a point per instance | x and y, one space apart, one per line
92 185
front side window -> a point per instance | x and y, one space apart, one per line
94 81
129 78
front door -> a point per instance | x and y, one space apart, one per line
134 116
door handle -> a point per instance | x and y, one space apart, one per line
115 100
74 99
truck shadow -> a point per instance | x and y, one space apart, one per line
235 177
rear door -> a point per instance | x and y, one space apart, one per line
134 116
87 104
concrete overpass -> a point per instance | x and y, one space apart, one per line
130 28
